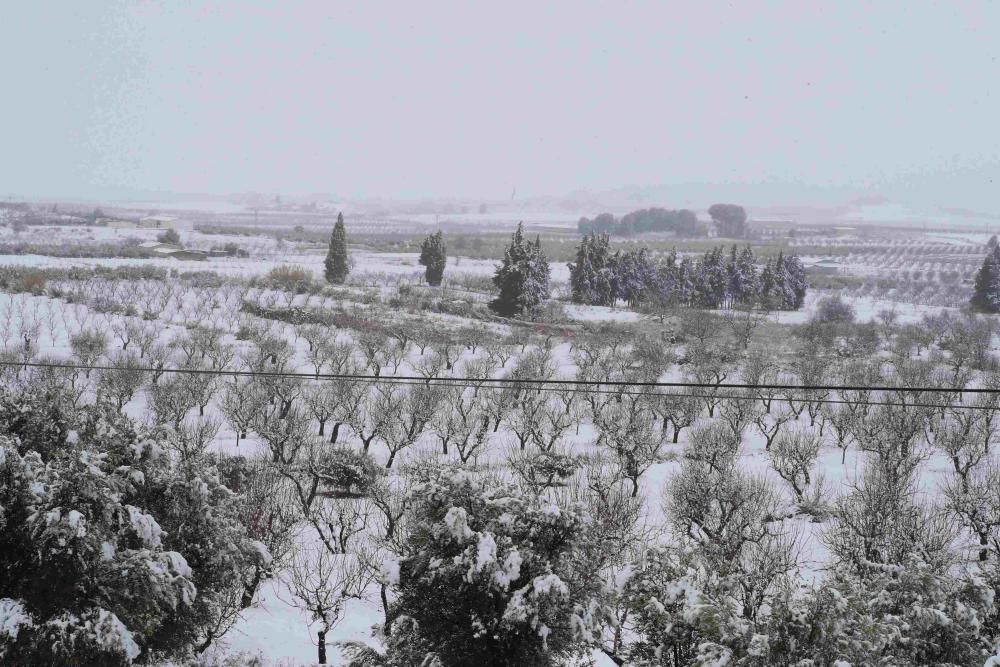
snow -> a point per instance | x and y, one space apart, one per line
583 313
110 632
486 555
13 617
279 629
457 522
390 571
145 526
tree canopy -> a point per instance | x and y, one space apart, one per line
338 262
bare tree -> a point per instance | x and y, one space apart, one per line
975 500
793 457
123 379
409 412
770 420
679 410
323 582
966 435
743 322
881 523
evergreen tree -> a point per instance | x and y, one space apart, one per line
493 575
711 279
522 278
591 277
634 275
111 548
434 255
795 282
986 292
743 279
338 262
768 287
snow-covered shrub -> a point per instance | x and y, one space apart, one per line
491 575
110 551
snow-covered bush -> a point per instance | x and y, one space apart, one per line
110 550
491 575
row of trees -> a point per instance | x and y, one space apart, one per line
729 221
602 277
548 552
682 222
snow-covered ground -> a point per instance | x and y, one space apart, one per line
276 627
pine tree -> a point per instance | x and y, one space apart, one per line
522 278
338 261
711 279
434 255
743 279
795 282
635 275
768 287
986 292
591 276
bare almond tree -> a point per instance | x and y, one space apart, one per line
793 457
322 583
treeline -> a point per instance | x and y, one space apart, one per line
682 222
728 220
715 280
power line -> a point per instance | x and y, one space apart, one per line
577 386
507 380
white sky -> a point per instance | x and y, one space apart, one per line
471 99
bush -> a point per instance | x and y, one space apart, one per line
833 310
169 236
291 278
491 575
111 550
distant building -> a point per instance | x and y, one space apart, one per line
174 251
826 267
180 253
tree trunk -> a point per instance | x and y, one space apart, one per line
321 646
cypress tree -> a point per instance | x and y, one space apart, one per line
338 262
590 276
986 292
522 278
434 255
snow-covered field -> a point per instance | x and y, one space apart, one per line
276 626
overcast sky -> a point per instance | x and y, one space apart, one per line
471 99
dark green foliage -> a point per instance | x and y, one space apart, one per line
434 255
111 549
731 220
169 236
491 576
591 276
681 222
986 292
522 278
338 263
598 277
